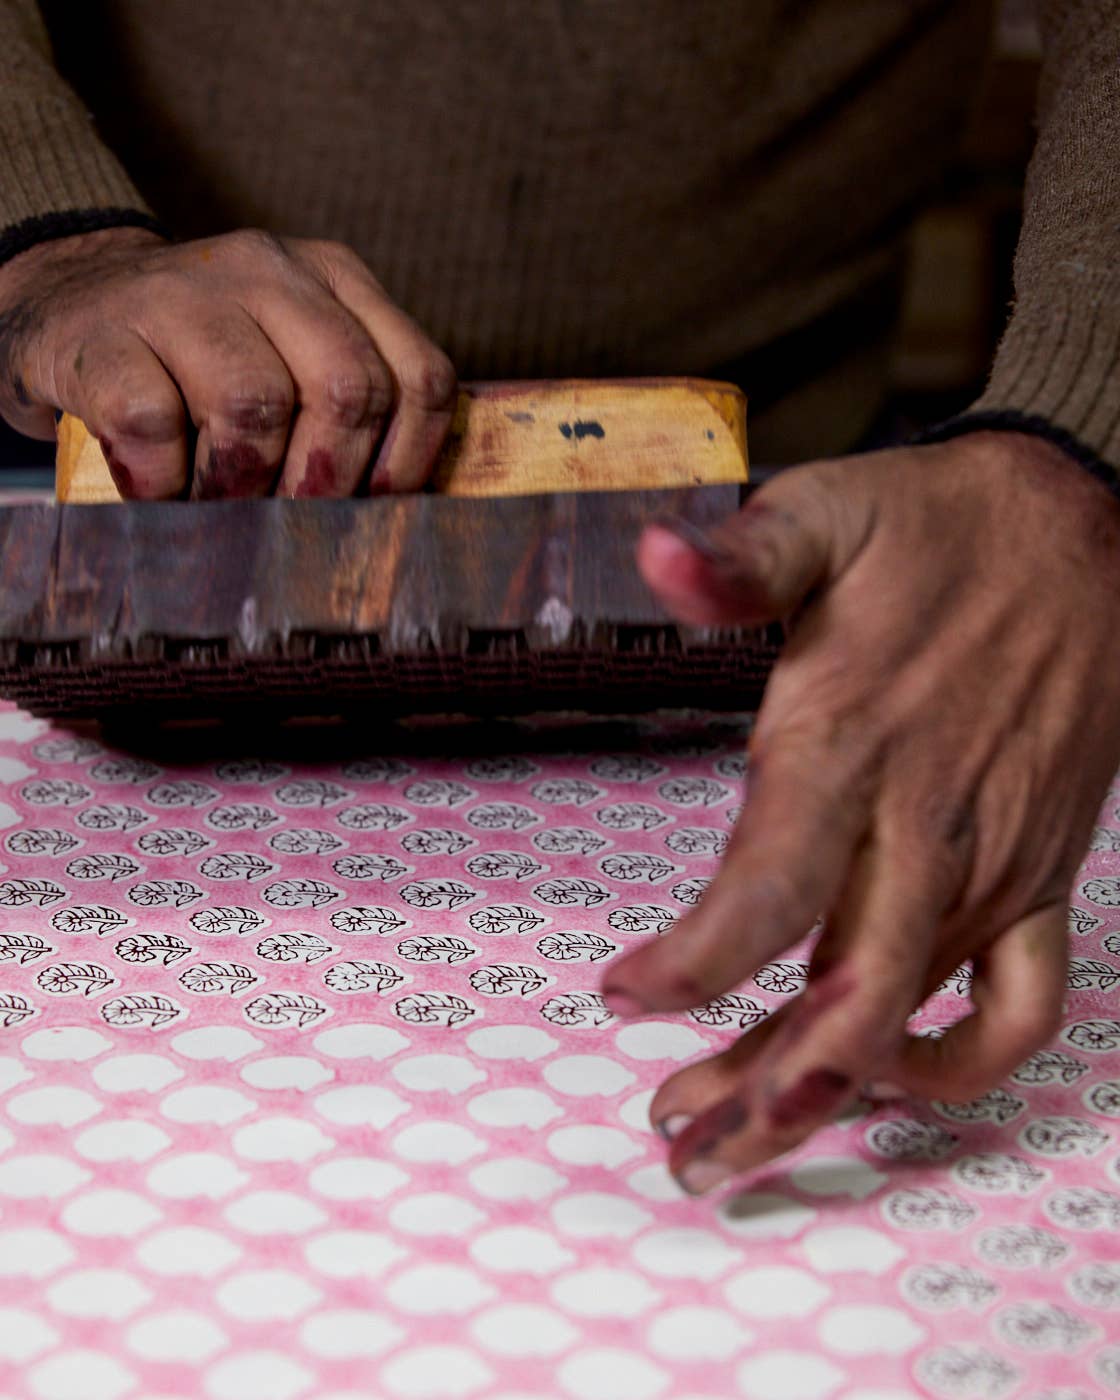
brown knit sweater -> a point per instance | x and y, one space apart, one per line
582 186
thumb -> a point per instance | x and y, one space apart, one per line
759 565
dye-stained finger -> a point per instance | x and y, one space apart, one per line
849 1020
1018 983
761 564
423 378
238 391
125 396
786 861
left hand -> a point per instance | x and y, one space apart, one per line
933 747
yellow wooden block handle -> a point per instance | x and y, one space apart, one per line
527 437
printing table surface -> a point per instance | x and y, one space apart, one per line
306 1091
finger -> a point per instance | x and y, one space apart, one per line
786 861
239 394
123 393
1017 988
850 1018
424 378
761 564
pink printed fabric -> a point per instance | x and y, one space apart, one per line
306 1090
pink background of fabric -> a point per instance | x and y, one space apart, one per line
306 1091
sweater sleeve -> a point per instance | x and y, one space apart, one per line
1057 369
56 176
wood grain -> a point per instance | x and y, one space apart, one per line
527 437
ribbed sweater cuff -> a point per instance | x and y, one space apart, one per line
56 177
1059 363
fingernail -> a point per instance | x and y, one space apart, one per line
883 1089
812 1096
673 1125
693 535
622 1003
702 1176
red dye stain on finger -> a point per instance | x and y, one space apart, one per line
705 1133
121 475
814 1095
320 478
231 469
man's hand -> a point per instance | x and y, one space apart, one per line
286 356
933 748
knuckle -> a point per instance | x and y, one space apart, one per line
353 397
254 243
429 379
148 415
256 405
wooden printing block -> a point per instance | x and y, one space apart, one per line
471 598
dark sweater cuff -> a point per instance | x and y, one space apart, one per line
43 228
1010 420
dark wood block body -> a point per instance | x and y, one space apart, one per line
407 604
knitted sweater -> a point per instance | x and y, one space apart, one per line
582 186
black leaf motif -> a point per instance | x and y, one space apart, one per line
1021 1247
637 866
370 867
362 976
113 816
928 1208
1050 1067
41 841
373 816
208 979
1061 1136
626 768
66 749
18 894
577 1010
69 979
910 1140
23 947
147 1009
124 770
55 792
436 841
154 894
631 816
734 1009
236 865
998 1173
89 918
14 1010
249 770
1104 1098
167 948
642 918
568 891
507 768
300 894
285 1009
367 918
690 891
1105 841
569 840
508 979
562 792
438 792
732 766
103 867
305 841
172 841
377 770
227 919
996 1106
435 1008
502 816
1083 973
693 792
575 945
182 792
295 947
1081 921
242 816
437 894
430 947
697 841
498 920
311 792
503 865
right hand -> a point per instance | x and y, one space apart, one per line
286 355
